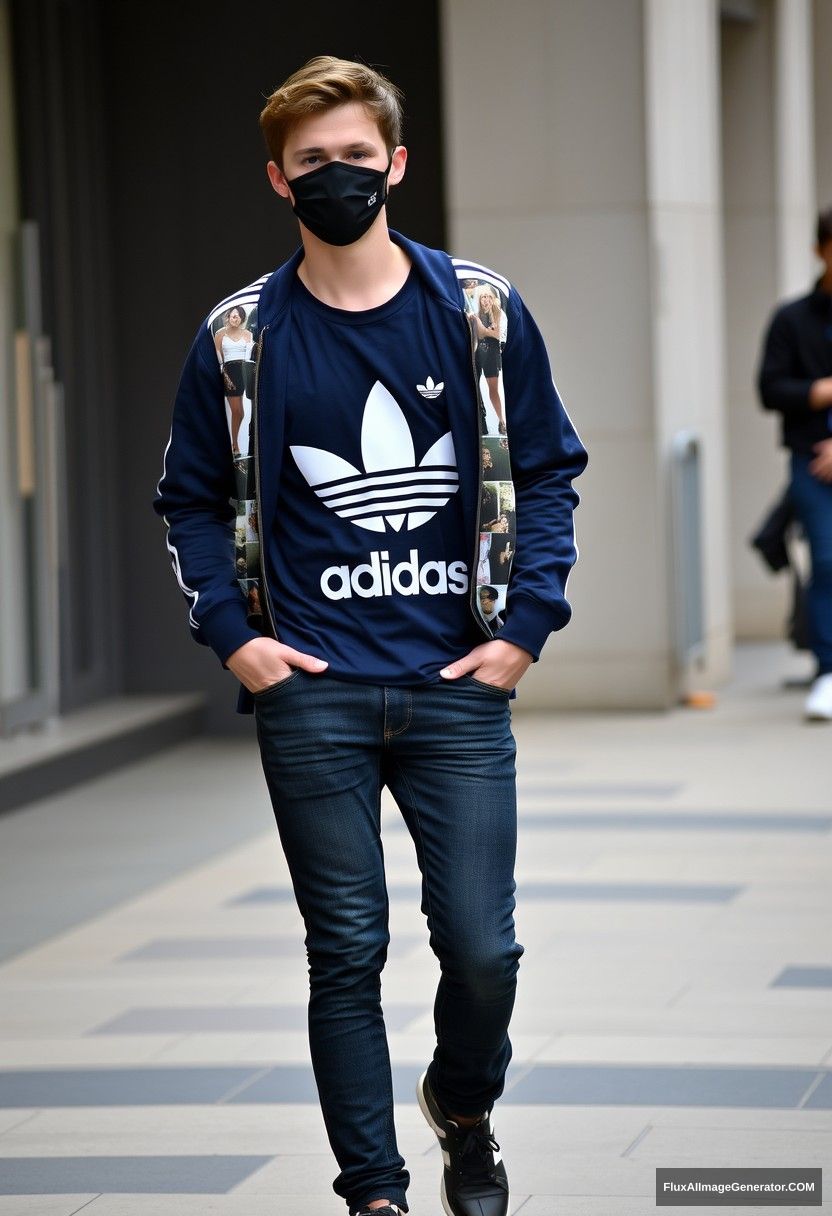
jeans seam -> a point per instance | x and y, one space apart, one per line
391 1143
421 842
391 734
421 849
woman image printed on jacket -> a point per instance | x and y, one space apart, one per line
495 460
484 563
503 519
234 343
247 555
500 553
489 504
244 477
469 291
490 324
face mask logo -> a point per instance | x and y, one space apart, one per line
338 202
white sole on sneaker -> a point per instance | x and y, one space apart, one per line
425 1109
443 1195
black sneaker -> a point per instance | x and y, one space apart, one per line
474 1181
389 1209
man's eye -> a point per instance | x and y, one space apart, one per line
360 155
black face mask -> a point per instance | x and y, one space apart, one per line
339 202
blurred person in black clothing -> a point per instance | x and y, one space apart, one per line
795 379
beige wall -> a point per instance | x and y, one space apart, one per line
823 99
684 209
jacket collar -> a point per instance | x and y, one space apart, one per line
819 297
433 265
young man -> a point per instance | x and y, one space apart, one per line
795 378
358 476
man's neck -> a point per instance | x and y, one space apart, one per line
355 277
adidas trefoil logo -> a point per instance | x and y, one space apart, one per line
429 389
393 488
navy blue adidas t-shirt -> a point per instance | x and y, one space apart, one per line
369 552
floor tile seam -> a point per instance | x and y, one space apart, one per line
166 1046
86 1204
677 995
526 1067
245 1084
645 1131
816 1082
33 1114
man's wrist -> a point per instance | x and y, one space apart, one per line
820 393
521 651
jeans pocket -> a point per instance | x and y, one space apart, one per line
501 692
272 688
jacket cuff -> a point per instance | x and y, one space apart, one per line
226 629
529 623
791 397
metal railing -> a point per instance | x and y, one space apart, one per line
687 540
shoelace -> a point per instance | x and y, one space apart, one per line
476 1155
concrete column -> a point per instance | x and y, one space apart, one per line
822 46
13 638
794 133
685 221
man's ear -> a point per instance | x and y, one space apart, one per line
278 181
397 166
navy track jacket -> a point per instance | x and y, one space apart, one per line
195 494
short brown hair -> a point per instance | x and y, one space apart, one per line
824 227
323 83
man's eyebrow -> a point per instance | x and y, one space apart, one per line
358 143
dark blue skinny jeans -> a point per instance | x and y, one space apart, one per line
812 500
446 752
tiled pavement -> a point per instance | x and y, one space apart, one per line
674 1002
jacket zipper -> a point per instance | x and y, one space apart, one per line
255 407
475 566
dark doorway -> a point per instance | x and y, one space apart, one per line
162 138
